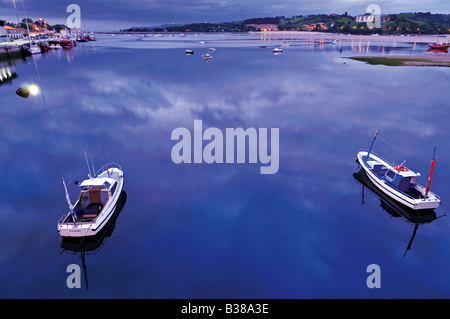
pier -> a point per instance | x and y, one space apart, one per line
14 49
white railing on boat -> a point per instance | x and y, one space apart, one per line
106 167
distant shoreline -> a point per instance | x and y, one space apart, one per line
305 35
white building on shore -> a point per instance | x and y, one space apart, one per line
7 33
363 18
15 33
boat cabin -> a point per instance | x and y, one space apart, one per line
94 195
404 180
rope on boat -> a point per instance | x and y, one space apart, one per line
445 214
397 148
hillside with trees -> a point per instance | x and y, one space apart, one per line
402 23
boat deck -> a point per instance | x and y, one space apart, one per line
89 206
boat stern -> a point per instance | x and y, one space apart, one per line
75 229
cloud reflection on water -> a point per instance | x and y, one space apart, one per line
197 227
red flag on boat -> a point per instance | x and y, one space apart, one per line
433 162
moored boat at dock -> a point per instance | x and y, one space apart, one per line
66 44
34 49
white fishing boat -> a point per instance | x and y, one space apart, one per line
277 50
35 49
95 205
55 46
189 52
397 181
207 57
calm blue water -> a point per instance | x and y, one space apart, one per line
222 230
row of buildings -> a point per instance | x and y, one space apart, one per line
362 18
9 33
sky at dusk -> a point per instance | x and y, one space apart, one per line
102 15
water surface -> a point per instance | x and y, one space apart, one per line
222 230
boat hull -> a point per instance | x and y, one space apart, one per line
394 208
439 47
431 202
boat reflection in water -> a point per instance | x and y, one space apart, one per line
396 209
90 245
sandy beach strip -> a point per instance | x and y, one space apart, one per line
442 60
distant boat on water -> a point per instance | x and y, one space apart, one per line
189 52
277 50
439 46
207 57
55 46
66 44
44 46
34 49
442 47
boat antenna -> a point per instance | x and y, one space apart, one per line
104 157
433 162
93 169
373 141
87 162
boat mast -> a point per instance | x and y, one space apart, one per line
104 157
17 15
87 162
371 145
433 162
26 22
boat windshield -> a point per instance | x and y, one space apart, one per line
391 174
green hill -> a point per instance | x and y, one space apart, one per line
402 23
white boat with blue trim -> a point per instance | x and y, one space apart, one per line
95 205
398 182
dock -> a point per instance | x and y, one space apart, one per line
9 50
